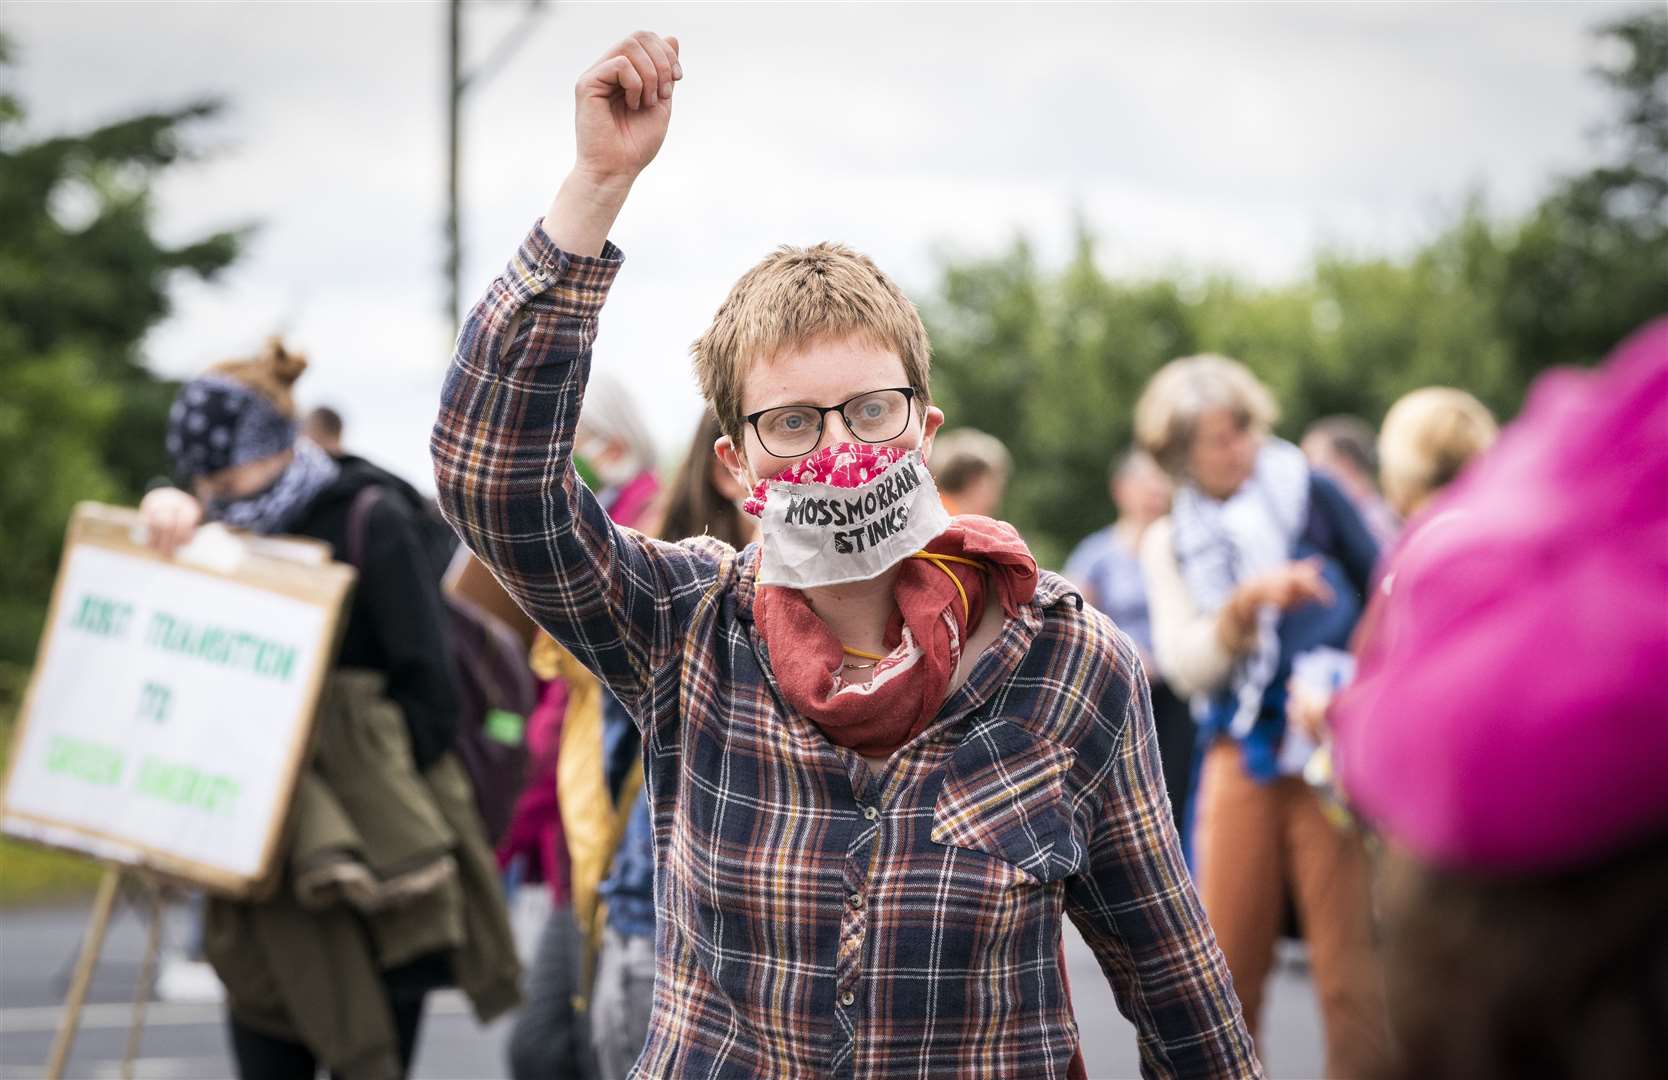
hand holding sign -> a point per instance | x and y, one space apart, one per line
170 517
171 703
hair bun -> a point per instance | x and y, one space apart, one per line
286 365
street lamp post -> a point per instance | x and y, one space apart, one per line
458 82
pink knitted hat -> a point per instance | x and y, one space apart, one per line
1511 709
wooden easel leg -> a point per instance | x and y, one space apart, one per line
147 976
91 946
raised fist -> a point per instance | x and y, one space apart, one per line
623 105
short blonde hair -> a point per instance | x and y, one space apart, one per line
1167 413
794 297
1427 438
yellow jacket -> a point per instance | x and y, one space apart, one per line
592 821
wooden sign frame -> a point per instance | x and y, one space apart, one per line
326 584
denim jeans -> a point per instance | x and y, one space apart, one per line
620 1001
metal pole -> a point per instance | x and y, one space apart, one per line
454 95
458 83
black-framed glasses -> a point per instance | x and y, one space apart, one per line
873 416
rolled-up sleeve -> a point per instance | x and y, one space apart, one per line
1190 656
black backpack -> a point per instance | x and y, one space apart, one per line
496 689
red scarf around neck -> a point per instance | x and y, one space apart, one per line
924 638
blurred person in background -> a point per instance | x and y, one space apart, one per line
183 976
1428 437
971 470
1343 448
563 828
614 444
1106 565
704 500
1507 735
323 425
1261 558
326 971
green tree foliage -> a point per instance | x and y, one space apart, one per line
1051 361
1594 255
82 278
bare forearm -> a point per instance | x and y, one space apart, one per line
584 210
1185 643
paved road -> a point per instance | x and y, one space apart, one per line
187 1042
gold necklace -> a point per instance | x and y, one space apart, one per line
869 656
938 561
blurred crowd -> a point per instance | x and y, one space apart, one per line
1407 686
551 758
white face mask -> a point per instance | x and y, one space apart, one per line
816 533
612 468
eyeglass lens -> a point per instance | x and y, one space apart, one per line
871 418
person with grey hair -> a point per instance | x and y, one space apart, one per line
1261 560
613 440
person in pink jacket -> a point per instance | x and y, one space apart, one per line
1507 735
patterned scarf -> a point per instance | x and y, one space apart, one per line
218 422
941 595
1223 542
280 506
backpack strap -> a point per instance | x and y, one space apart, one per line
359 518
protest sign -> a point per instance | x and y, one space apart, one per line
172 701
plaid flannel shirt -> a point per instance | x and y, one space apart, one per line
816 918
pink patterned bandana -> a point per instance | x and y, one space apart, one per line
844 465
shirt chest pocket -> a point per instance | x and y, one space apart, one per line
1004 795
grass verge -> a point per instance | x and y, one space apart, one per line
30 874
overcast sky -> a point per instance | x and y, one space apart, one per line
1237 137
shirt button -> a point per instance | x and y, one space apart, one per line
541 273
871 813
848 998
856 900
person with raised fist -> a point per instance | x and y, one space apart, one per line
885 755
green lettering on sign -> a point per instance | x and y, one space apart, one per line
102 616
154 700
221 647
90 761
185 785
